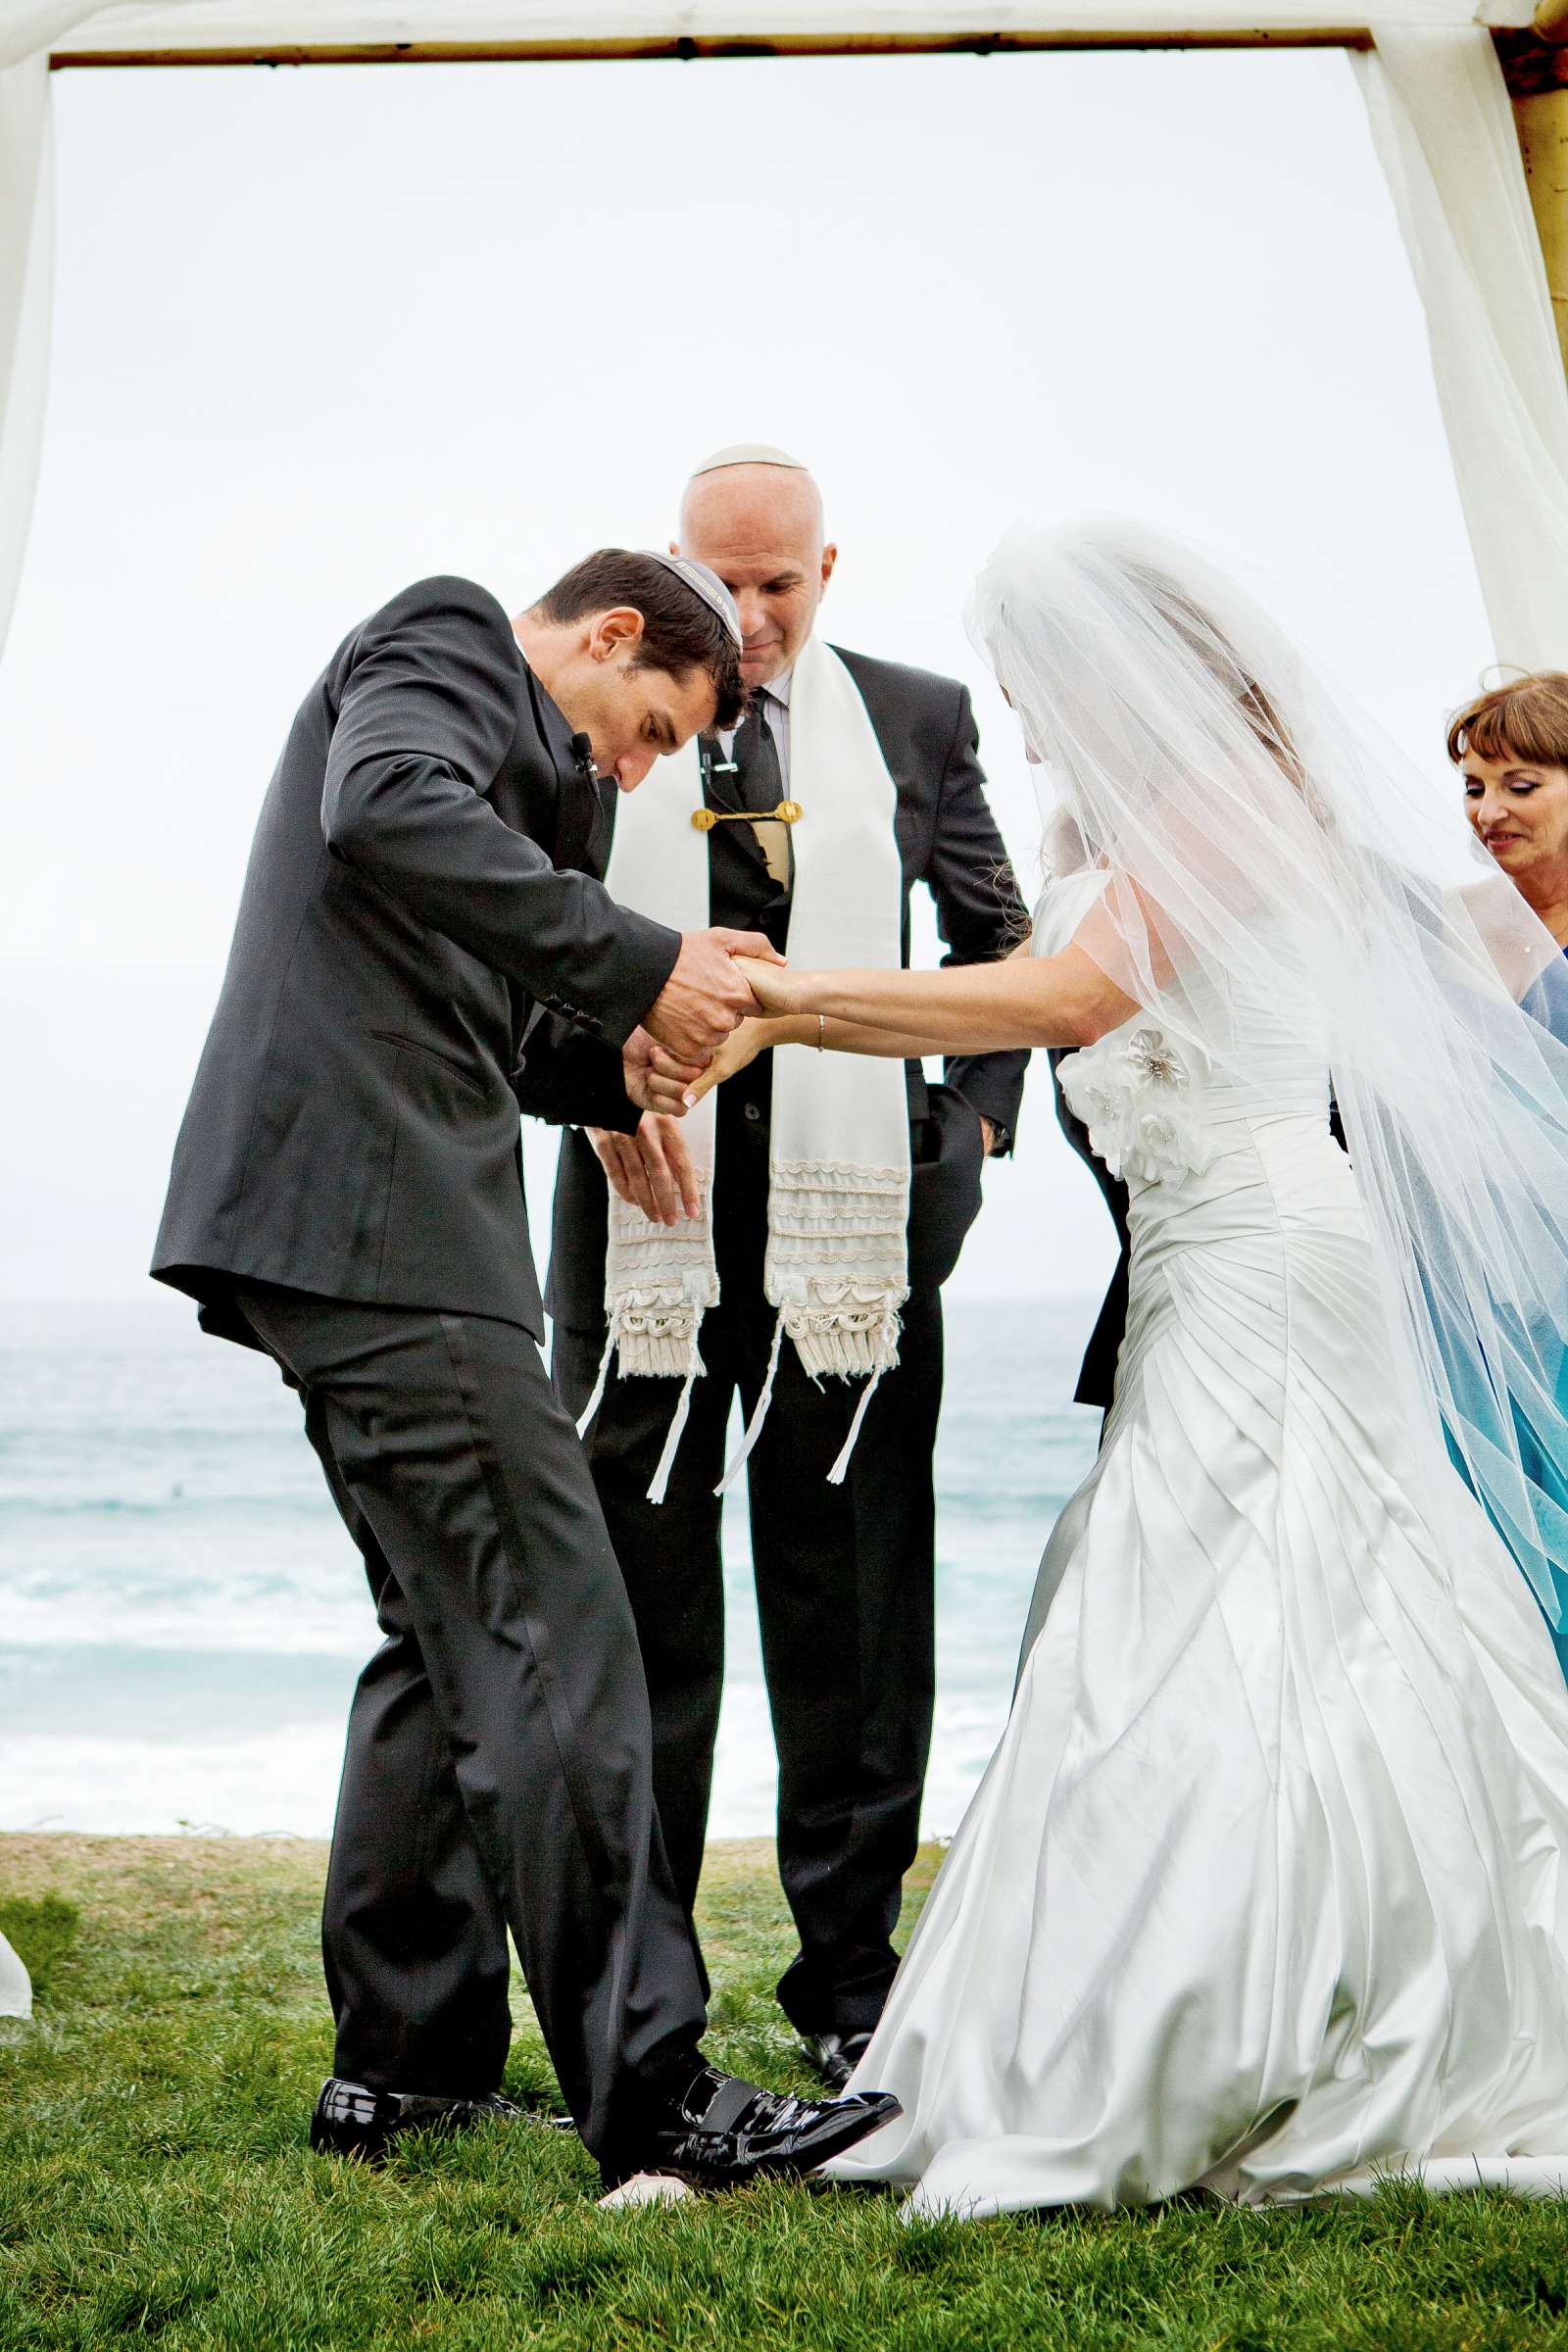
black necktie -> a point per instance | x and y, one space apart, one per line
757 781
744 854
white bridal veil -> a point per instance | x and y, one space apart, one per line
1265 848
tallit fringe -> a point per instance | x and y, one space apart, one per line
657 1345
836 1271
753 1427
833 1341
659 1482
656 1338
835 1475
839 1343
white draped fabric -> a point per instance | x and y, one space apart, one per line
16 1992
1444 133
1440 116
25 253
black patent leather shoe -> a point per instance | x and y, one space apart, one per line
835 2056
720 2132
349 2120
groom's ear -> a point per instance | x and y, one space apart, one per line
615 633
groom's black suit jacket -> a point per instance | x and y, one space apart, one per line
947 839
414 898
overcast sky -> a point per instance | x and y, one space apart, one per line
320 333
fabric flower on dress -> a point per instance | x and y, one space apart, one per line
1135 1096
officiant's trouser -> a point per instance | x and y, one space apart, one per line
844 1590
498 1768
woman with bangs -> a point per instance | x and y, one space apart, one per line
1510 746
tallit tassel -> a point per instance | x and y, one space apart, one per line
753 1427
677 1427
600 1384
835 1477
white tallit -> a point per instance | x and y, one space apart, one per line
836 1268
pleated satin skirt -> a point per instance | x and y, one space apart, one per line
1263 1889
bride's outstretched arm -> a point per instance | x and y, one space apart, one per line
1062 1000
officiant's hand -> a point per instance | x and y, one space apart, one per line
656 1080
650 1170
706 994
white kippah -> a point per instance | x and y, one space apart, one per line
703 583
748 452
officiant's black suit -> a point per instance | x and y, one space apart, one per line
843 1574
1097 1375
347 1190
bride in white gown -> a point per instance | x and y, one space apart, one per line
1265 1889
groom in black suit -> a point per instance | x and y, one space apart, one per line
844 1571
347 1194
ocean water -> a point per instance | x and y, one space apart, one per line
183 1616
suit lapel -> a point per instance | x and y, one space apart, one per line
578 834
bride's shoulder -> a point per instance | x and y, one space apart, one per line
1062 904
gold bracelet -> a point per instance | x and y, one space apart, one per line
821 1032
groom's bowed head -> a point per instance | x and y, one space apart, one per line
640 652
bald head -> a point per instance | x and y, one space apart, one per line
754 516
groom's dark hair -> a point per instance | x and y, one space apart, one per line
680 634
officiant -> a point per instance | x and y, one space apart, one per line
806 1218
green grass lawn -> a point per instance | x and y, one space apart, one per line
155 2181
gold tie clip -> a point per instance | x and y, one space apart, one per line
788 813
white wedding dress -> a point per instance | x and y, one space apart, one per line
1264 1889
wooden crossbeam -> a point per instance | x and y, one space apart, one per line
687 48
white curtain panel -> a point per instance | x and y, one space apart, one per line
29 29
27 190
29 25
1444 132
16 1993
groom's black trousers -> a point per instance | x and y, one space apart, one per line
498 1768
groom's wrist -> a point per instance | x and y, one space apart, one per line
652 951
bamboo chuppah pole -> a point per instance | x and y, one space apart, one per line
1535 67
687 48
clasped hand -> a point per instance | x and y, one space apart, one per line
652 1170
700 1031
708 993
